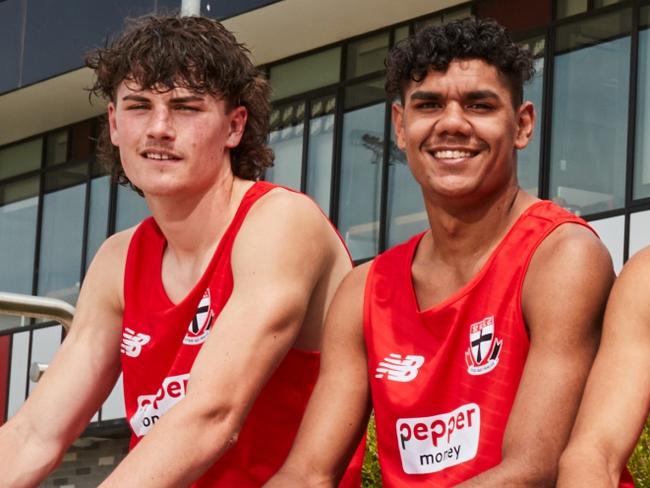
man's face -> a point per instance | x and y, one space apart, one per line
460 130
173 142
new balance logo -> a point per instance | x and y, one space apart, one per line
132 343
398 368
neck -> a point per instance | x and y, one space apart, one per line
194 224
465 233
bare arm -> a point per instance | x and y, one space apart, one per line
617 397
564 294
76 383
281 252
340 405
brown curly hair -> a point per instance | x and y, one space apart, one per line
435 46
161 53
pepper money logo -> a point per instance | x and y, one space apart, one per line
152 407
431 444
200 326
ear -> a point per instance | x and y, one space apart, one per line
525 123
397 115
112 124
238 117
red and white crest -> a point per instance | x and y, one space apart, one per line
200 325
484 348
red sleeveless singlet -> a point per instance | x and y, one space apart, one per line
443 380
161 340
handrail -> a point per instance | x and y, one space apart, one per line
37 307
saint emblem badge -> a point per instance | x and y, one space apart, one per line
484 348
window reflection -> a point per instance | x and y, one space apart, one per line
589 131
361 163
62 233
642 141
309 72
367 55
18 213
100 189
528 158
21 158
131 208
321 148
286 138
406 215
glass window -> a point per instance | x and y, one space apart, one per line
639 231
367 55
45 343
612 233
361 164
81 144
642 140
589 129
306 73
18 375
56 147
113 407
286 138
62 232
448 16
528 158
401 33
21 158
605 3
131 208
100 189
406 214
565 8
321 149
18 214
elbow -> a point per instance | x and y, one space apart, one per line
218 426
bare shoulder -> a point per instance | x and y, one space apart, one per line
571 251
635 276
292 220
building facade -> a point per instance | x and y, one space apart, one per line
331 132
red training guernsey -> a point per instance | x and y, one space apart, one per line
443 380
161 341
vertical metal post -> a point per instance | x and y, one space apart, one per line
190 7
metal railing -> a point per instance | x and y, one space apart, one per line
39 308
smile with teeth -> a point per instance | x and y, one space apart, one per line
453 154
159 156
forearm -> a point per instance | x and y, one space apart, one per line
518 474
584 466
185 442
26 458
287 478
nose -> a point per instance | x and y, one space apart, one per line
161 124
452 121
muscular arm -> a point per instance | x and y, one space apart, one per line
340 405
76 383
617 396
563 300
282 251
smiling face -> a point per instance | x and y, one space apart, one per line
460 131
176 141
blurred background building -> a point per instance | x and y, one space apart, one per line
331 133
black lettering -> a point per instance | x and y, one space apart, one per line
426 459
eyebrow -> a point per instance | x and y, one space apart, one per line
139 98
437 96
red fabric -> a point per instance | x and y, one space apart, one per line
444 422
165 347
4 376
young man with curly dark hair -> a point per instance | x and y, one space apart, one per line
472 341
213 308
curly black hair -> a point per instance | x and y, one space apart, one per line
435 46
161 53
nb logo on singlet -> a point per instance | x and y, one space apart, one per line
398 368
132 343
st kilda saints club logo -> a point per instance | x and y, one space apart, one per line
200 325
484 348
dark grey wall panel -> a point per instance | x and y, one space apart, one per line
59 33
219 9
10 38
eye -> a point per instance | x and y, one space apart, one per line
480 106
428 105
186 108
137 106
